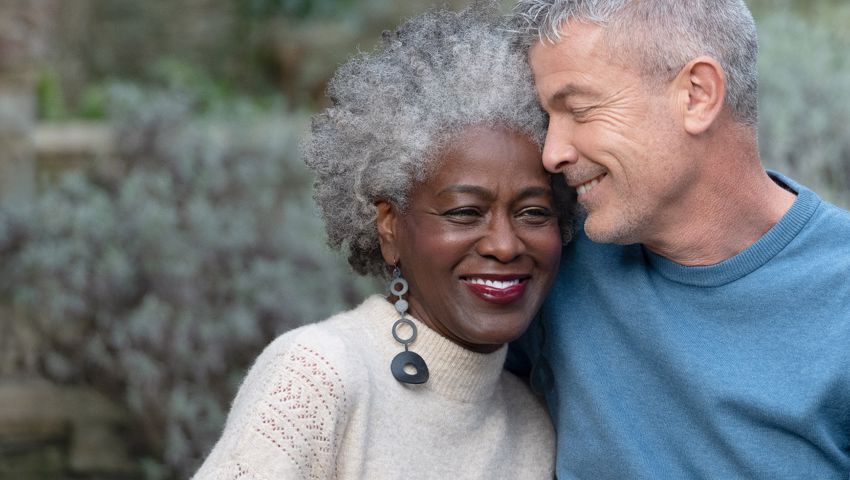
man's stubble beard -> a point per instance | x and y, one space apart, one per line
623 232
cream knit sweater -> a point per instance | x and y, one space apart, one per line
320 402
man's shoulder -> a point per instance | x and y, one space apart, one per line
830 216
820 250
824 247
826 215
827 231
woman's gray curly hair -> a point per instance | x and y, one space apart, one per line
394 109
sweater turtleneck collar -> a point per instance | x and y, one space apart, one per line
454 371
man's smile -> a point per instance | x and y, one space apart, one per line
588 185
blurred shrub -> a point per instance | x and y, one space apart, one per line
805 104
248 47
209 95
159 281
49 97
294 8
94 102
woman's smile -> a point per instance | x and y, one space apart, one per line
498 289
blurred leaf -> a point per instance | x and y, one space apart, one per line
49 96
295 8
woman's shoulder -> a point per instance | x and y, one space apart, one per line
292 407
328 356
313 358
330 341
326 351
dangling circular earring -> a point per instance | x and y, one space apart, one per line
405 359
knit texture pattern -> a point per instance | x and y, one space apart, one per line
320 403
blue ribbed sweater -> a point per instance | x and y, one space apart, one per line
654 370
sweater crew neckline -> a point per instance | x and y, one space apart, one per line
754 256
454 372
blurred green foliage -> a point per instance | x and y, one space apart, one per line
159 280
246 48
295 8
49 97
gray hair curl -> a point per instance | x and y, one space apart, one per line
395 108
664 35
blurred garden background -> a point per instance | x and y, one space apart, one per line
156 224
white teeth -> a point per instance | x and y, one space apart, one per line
586 187
494 283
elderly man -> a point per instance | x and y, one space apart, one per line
700 325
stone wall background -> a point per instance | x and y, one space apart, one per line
52 432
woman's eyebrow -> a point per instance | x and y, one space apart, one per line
469 189
536 191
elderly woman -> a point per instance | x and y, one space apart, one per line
428 175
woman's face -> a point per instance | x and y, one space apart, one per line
479 243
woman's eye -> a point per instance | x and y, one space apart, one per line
465 214
462 212
536 215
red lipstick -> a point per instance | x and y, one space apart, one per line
497 295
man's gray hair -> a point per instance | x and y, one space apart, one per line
395 108
663 36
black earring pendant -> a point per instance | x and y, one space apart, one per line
406 367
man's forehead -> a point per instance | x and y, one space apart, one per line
577 38
584 48
572 30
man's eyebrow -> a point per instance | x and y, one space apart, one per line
568 90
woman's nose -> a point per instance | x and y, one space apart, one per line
558 150
501 241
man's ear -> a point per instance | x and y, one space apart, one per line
387 223
702 85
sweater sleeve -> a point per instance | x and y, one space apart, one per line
286 420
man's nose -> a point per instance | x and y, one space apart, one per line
559 151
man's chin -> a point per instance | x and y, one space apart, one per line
604 230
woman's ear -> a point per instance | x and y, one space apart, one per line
703 85
387 224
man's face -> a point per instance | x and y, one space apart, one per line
612 135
